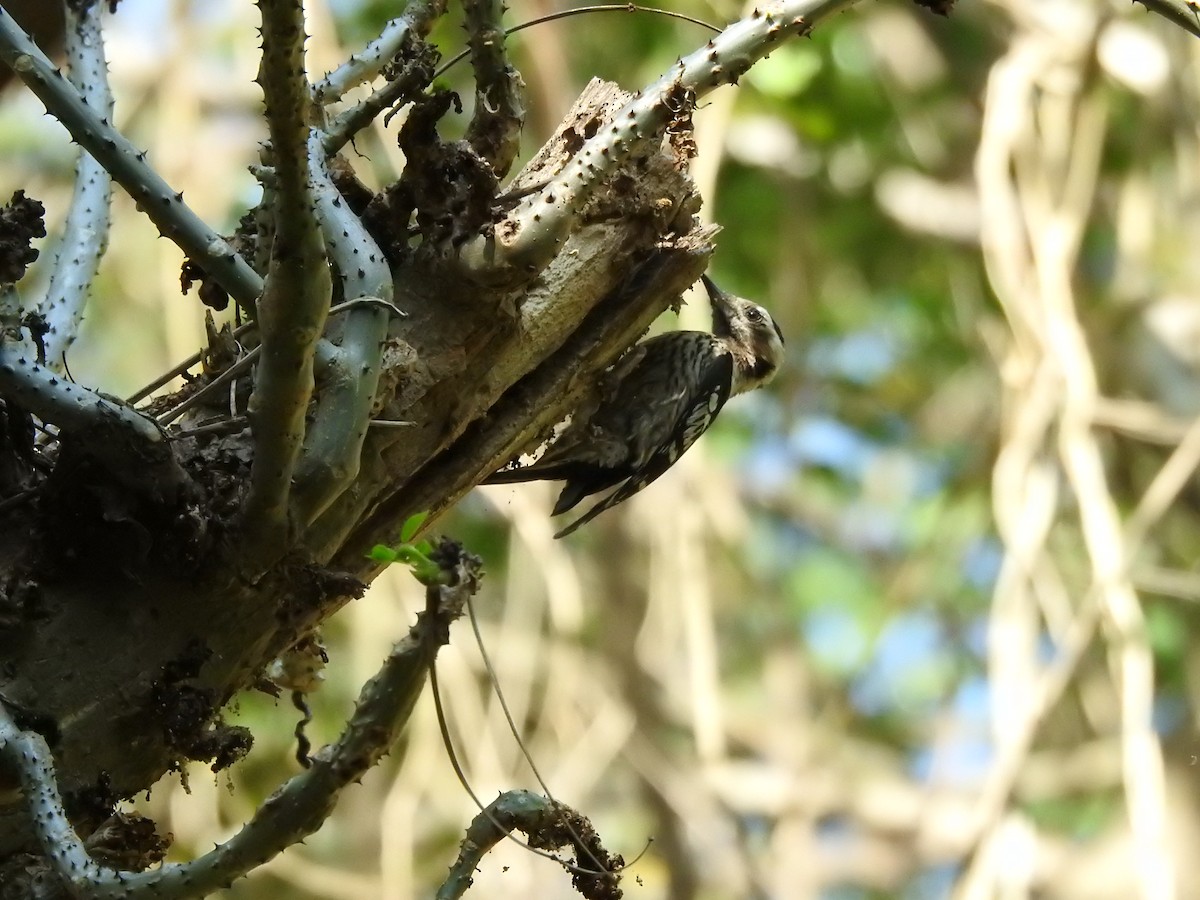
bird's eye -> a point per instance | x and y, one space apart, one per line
754 314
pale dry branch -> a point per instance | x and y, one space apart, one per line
1039 188
1172 477
1141 420
681 601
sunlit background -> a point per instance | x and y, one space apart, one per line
913 622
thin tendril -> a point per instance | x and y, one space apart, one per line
562 14
516 734
462 779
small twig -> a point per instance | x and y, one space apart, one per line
485 812
245 328
520 193
303 744
515 732
229 425
393 93
417 74
174 372
1174 475
541 820
226 377
18 499
584 10
1140 419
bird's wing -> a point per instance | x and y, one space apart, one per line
693 419
574 455
600 445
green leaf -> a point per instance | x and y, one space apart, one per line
415 556
412 525
407 554
382 554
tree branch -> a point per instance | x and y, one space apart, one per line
495 129
413 76
53 399
1184 13
27 760
437 350
549 826
130 446
526 240
127 165
85 232
418 18
296 300
537 402
330 459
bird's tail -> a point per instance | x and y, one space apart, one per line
535 472
621 494
581 481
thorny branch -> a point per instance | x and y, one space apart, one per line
333 448
298 292
495 129
1184 13
418 18
85 233
128 444
127 165
416 61
549 825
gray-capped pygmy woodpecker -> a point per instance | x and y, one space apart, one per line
669 390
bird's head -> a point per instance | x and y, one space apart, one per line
751 335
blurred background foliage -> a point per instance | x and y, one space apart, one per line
914 622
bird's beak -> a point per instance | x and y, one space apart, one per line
719 301
715 294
